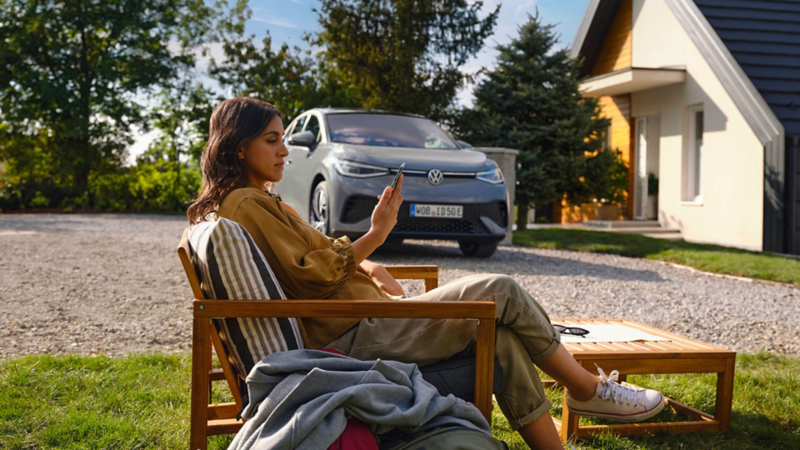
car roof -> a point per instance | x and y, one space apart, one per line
363 111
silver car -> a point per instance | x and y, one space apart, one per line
341 160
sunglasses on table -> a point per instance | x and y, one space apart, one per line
573 331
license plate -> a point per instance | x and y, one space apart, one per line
443 211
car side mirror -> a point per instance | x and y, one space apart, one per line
303 139
464 144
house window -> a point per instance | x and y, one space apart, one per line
692 175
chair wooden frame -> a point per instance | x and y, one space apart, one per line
213 419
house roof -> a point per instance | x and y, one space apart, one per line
592 31
764 38
746 95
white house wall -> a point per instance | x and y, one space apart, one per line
732 166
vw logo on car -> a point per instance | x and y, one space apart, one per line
435 177
341 160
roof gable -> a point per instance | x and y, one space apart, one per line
592 31
764 38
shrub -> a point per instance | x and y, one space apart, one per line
147 186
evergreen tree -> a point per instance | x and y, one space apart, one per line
531 102
400 55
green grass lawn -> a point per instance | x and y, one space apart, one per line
711 258
142 402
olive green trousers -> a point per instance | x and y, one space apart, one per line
524 337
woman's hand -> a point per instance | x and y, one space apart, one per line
381 277
384 217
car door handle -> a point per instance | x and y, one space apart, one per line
287 161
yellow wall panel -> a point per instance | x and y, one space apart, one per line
616 51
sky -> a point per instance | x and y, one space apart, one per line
288 20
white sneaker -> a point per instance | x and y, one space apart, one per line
617 402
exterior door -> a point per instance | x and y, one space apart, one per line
640 171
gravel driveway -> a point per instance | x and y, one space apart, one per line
113 284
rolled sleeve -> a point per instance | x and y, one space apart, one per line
311 264
344 247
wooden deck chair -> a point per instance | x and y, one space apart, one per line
214 419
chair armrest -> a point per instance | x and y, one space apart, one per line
342 308
411 272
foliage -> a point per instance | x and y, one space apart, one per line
143 402
182 118
74 72
287 78
706 257
531 102
398 55
606 178
151 185
652 184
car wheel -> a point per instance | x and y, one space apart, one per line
320 209
477 250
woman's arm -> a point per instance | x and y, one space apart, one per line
384 218
376 271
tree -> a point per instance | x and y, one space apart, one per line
288 77
284 78
401 55
182 117
531 102
76 72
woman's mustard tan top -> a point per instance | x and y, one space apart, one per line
307 264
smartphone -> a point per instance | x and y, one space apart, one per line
397 177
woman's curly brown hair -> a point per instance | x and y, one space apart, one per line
234 123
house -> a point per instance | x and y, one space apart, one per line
705 95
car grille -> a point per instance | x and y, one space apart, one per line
359 208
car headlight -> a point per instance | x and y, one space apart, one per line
358 170
494 176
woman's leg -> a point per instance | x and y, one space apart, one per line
425 341
541 434
581 384
523 400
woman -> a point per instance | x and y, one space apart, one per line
244 157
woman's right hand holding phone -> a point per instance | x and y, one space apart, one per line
384 217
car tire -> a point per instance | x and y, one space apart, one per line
477 250
320 208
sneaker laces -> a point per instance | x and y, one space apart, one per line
617 392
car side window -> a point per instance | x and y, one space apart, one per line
313 126
288 132
298 127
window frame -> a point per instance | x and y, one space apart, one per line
321 132
693 163
296 123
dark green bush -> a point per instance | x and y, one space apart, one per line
147 186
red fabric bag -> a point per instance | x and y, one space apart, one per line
356 435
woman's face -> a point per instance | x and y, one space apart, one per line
264 155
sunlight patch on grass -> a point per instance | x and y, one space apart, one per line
709 258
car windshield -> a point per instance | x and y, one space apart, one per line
386 130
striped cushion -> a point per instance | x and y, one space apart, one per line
231 267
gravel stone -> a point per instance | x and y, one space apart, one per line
112 284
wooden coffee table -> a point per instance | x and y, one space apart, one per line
677 355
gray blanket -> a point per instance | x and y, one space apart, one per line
303 398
